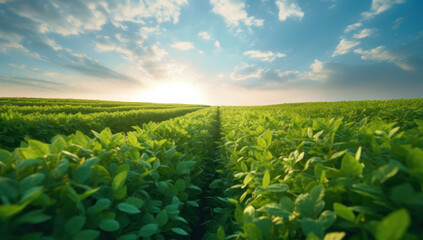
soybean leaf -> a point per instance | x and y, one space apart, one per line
338 154
75 224
180 185
266 179
38 147
109 225
137 202
8 210
128 208
220 235
34 217
252 231
334 236
287 204
327 218
317 193
31 194
31 181
61 168
305 206
415 163
82 173
119 180
351 166
87 234
58 145
179 231
343 212
393 226
277 187
148 230
27 163
311 226
384 172
162 218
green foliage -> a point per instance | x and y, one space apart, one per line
331 171
42 119
322 171
393 226
143 183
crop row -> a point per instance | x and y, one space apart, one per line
125 186
287 176
15 126
79 102
74 109
401 111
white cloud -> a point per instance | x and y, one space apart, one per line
353 27
367 32
317 66
65 17
204 35
289 9
155 53
74 17
217 44
264 56
377 53
317 73
244 71
380 54
344 47
380 6
200 52
149 29
145 32
234 14
183 45
53 44
256 76
133 11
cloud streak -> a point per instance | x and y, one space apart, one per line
344 47
31 82
380 6
36 70
265 56
367 32
380 54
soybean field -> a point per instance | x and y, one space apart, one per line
85 170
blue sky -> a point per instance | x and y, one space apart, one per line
219 52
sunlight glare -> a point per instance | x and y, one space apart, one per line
174 92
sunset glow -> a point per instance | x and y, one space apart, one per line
174 92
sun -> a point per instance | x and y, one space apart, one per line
174 92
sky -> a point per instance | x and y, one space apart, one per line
216 52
